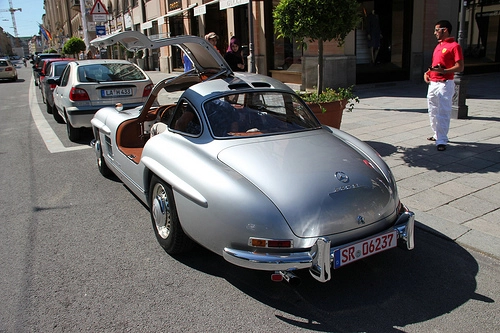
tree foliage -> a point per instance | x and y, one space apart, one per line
316 20
324 20
74 45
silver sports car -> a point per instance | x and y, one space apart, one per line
239 164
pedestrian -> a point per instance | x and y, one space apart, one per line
188 65
212 39
374 35
233 55
447 60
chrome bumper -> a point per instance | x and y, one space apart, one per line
319 258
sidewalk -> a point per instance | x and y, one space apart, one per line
455 193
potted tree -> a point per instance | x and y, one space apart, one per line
319 20
329 105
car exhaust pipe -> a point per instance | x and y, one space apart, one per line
288 276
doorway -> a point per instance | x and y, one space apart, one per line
383 41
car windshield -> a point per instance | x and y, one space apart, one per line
258 113
109 72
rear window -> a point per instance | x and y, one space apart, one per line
58 68
109 72
4 63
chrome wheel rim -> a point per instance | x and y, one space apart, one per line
97 147
161 211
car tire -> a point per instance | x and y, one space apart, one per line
57 116
101 162
166 224
73 133
14 79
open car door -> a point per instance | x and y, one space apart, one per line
203 55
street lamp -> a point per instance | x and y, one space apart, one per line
251 55
459 109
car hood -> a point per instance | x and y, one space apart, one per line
321 185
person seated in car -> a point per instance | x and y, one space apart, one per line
222 116
188 122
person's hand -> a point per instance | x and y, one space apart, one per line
241 66
427 78
438 68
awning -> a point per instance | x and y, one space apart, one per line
212 2
180 11
202 9
224 4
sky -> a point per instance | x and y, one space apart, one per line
26 20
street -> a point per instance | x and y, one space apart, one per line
79 255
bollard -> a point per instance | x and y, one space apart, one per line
459 110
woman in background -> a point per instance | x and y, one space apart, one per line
233 55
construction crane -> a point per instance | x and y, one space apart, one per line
12 10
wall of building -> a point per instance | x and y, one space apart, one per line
410 51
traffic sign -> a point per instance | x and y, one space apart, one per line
98 8
99 17
100 30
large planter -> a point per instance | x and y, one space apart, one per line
329 113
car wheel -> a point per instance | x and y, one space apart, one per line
101 163
57 116
14 79
49 108
165 220
73 133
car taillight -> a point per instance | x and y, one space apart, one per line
77 94
147 90
270 243
9 69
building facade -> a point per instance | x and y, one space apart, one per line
404 29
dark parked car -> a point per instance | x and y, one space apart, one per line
37 61
44 68
53 71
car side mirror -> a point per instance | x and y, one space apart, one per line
54 81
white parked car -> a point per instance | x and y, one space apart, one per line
86 86
7 70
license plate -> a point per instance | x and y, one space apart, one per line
116 92
366 248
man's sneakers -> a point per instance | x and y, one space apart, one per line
440 147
